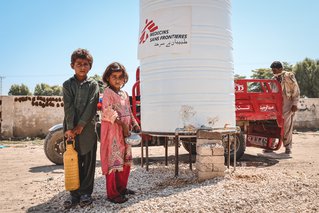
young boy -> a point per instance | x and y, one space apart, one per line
80 95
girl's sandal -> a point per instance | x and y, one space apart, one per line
119 199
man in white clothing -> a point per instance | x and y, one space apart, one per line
291 94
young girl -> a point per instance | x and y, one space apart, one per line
117 120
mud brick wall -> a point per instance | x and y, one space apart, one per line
29 116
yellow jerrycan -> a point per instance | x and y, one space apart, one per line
71 167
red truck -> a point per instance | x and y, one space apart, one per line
258 114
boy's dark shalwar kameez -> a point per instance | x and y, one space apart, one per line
80 101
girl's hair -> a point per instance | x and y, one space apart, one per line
114 67
83 54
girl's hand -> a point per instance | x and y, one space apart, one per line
136 128
125 128
294 108
109 114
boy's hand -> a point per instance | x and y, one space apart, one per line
78 130
69 134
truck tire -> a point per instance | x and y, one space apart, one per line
191 141
241 147
54 146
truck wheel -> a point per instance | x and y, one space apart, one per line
54 146
190 141
240 147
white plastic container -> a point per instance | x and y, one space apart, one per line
185 52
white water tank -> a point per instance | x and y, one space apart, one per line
185 52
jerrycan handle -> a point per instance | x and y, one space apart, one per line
70 141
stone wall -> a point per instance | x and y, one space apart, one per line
307 116
29 116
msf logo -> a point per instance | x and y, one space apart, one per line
149 28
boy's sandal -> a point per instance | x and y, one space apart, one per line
71 202
85 200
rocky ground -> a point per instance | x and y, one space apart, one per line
261 183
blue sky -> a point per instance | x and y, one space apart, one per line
38 36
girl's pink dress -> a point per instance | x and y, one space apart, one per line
115 153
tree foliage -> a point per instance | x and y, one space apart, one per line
287 67
100 82
307 75
266 73
16 89
237 76
57 90
262 73
47 90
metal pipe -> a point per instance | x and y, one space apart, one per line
166 150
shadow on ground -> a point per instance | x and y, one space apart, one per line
256 161
261 160
45 169
52 168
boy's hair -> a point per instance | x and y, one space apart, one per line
83 54
276 65
114 67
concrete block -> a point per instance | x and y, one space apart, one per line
205 134
208 167
204 149
207 141
218 167
210 149
210 159
218 150
209 175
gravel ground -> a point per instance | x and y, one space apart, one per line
261 183
246 190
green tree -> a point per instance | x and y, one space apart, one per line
237 76
57 90
100 82
307 75
47 90
262 73
97 77
16 89
266 73
43 89
287 67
